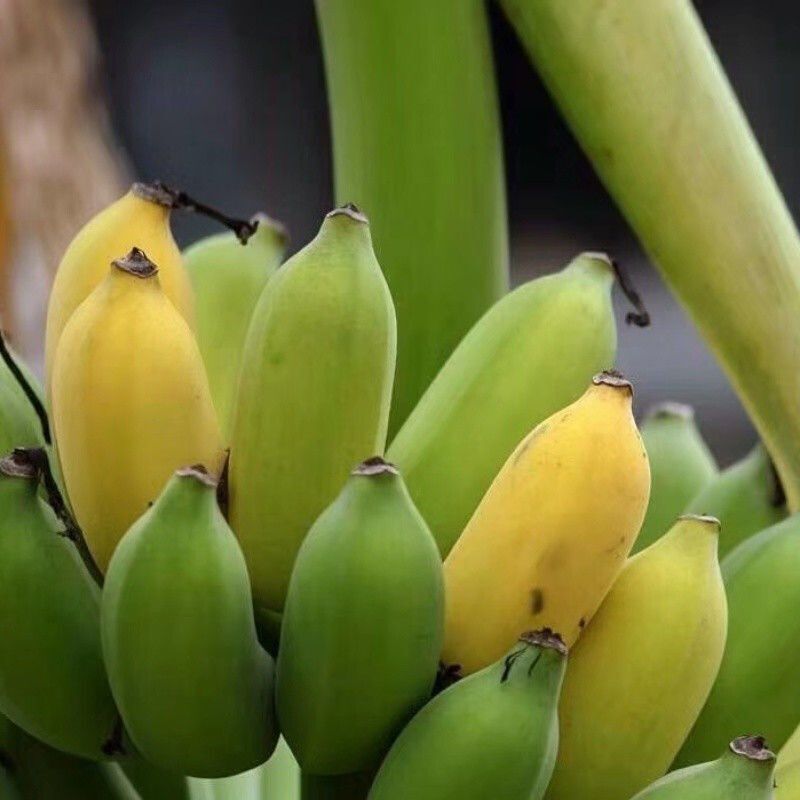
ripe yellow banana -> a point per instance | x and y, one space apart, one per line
553 530
641 672
130 402
138 219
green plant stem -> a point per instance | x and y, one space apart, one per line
643 91
417 146
338 787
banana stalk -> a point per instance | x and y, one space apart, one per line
417 146
643 91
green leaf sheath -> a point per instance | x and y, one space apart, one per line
644 93
417 146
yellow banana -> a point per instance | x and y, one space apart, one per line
130 402
138 219
553 530
641 672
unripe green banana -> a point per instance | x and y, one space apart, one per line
228 277
492 735
314 395
52 680
746 498
362 627
192 684
530 355
787 781
152 782
20 426
681 465
745 771
757 687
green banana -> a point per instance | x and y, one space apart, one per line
362 627
745 771
227 278
314 395
746 498
20 426
192 683
530 355
492 735
52 680
681 465
787 781
152 782
757 686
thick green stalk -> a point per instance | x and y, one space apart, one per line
417 146
646 96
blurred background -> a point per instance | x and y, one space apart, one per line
226 98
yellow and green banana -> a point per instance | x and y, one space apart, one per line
362 626
757 688
552 532
191 681
746 498
745 771
130 402
530 355
314 395
640 673
681 465
492 735
227 278
52 679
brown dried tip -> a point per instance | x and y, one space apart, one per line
18 464
154 193
752 747
669 408
278 228
349 210
199 473
614 379
375 466
136 263
545 637
706 519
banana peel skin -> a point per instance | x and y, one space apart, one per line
193 686
491 735
530 354
362 628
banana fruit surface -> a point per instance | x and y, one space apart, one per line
313 397
130 402
228 278
52 679
362 626
744 772
140 219
491 735
552 532
191 681
681 465
641 671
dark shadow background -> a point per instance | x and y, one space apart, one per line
227 99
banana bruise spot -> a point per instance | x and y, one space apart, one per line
640 316
752 747
136 263
374 466
537 601
350 210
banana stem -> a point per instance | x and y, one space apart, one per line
417 146
337 787
37 456
645 95
33 398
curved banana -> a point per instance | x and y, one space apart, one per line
553 530
640 673
530 355
130 402
52 679
139 218
787 781
191 681
746 498
362 626
492 735
228 277
745 771
757 688
681 465
314 395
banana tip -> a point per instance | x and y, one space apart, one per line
613 378
18 464
350 210
545 637
136 263
670 408
705 519
198 473
154 192
375 466
752 747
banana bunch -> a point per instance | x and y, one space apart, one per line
217 582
